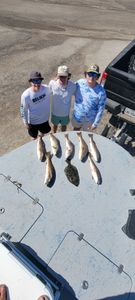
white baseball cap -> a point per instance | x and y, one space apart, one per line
63 71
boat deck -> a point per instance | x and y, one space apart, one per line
76 231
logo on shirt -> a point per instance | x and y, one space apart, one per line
38 98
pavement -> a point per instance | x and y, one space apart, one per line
41 34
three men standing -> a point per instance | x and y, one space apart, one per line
40 102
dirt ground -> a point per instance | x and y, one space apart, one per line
41 34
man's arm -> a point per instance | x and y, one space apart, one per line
101 107
24 111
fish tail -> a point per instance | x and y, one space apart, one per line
89 154
79 133
90 135
40 135
68 161
48 154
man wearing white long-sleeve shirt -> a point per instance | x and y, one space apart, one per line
35 106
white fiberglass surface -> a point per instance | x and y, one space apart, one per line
21 282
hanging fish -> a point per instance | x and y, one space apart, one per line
72 173
69 148
94 150
55 144
94 170
49 174
83 150
41 150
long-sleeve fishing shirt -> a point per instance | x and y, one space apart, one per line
35 106
89 102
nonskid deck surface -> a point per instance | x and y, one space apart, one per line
75 230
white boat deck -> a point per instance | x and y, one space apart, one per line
21 283
50 220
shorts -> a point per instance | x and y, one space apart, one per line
59 120
85 125
43 128
75 124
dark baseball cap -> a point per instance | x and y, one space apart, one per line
35 75
93 69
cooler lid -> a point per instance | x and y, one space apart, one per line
90 273
19 211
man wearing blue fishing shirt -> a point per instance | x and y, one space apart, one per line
89 101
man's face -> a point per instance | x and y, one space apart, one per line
91 78
35 84
63 80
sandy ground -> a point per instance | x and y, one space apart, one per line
41 34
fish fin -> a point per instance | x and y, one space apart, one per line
79 133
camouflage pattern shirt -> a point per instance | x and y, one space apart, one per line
89 102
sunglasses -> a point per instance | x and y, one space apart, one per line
36 81
91 74
62 77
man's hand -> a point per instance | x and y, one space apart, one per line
93 127
27 125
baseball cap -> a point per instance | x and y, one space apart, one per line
35 75
63 71
93 68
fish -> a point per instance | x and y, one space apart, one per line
55 145
41 150
72 173
69 148
96 175
94 150
83 151
49 173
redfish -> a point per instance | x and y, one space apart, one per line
94 150
69 148
83 149
41 150
55 145
94 170
49 173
